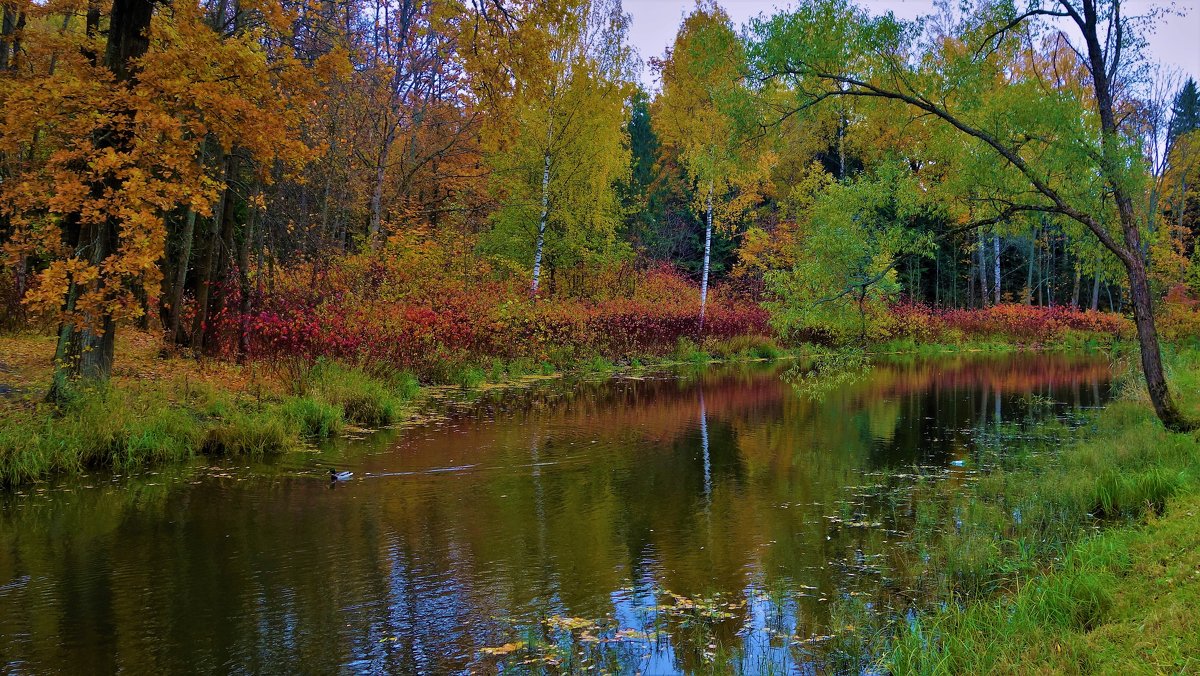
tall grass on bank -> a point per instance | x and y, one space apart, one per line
364 399
129 427
104 428
1021 580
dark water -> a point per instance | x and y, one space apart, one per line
493 526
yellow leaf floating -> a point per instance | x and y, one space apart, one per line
504 649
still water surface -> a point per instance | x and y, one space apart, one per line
593 500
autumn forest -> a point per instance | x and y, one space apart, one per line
232 229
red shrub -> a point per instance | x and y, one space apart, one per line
373 311
1024 323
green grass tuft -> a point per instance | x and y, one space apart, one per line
312 418
364 400
250 434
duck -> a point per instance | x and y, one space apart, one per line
335 475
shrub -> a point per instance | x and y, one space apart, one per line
1009 321
437 323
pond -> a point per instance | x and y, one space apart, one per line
692 521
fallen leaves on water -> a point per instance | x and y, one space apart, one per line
503 649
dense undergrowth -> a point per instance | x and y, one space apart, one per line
420 310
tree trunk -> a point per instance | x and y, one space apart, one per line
1050 271
1143 317
223 273
996 276
181 270
541 233
86 350
1096 291
1029 271
8 26
373 236
1075 287
983 270
208 265
707 253
244 285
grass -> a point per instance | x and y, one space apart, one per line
104 428
313 418
746 347
688 352
137 422
1122 601
1026 581
362 398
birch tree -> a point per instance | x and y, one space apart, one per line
701 114
560 152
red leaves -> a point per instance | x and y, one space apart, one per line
423 324
1009 320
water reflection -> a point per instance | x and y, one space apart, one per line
568 501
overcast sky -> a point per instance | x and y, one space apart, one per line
1176 43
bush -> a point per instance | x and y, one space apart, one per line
1008 321
437 323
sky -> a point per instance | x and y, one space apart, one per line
1175 43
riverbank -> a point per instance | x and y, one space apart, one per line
161 408
1080 560
169 408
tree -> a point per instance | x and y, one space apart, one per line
1185 111
1052 140
701 113
844 272
559 148
116 146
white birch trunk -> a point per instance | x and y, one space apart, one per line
996 276
541 236
707 247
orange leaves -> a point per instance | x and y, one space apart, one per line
102 159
